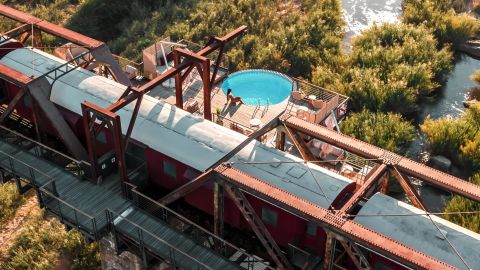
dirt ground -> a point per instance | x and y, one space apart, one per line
9 231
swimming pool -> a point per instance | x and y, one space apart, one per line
259 86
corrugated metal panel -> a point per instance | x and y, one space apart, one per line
418 231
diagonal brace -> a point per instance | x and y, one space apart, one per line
258 227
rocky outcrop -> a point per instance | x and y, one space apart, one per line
471 47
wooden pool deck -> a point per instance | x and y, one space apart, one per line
238 117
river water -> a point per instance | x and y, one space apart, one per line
362 14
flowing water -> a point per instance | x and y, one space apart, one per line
360 15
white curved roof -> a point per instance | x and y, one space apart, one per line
402 222
187 138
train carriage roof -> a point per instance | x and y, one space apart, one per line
185 137
410 226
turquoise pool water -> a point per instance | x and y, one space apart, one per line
259 86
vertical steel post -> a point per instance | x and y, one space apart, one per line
218 212
178 82
90 138
207 105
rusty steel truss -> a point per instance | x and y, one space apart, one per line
228 180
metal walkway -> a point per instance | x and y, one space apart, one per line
99 209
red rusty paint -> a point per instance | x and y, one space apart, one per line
404 165
341 226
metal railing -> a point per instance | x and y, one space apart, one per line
123 62
49 197
323 94
69 214
116 220
198 234
76 167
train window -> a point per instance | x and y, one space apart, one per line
102 137
169 169
312 229
269 216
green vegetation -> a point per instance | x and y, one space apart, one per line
392 66
386 130
458 139
442 18
288 37
461 204
41 242
10 200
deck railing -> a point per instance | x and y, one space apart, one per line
76 167
200 235
139 235
323 94
69 214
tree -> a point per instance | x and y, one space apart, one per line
392 66
458 139
461 204
440 16
386 130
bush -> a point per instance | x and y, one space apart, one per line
41 242
458 139
440 16
10 200
392 66
461 204
386 130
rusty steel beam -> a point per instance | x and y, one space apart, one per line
204 177
412 168
410 190
187 188
300 145
132 122
207 104
11 75
178 81
329 253
217 62
280 140
374 175
13 33
12 104
204 52
258 227
48 27
338 225
91 113
356 255
218 208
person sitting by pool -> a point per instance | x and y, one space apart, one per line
232 99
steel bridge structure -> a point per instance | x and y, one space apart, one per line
122 210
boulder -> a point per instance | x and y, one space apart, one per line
440 163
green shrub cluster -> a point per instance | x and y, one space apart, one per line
448 26
10 200
42 241
392 66
458 139
386 130
461 204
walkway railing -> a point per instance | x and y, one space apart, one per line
200 235
139 234
70 164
